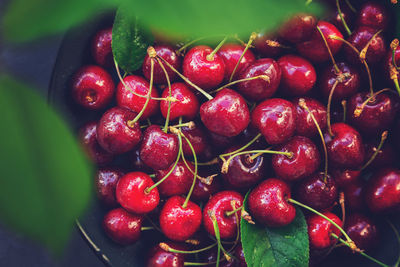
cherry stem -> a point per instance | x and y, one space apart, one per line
210 57
230 213
396 232
152 223
208 163
146 228
208 96
240 149
251 39
396 83
179 51
393 46
218 237
342 18
167 248
342 206
329 51
377 150
170 95
190 125
263 77
353 246
344 105
351 6
152 175
252 158
359 109
359 251
363 52
302 104
328 108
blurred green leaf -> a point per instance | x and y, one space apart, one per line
129 40
45 178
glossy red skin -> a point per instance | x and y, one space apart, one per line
388 62
198 69
242 173
158 149
88 139
359 39
259 89
198 139
101 48
106 180
203 192
113 133
316 193
314 49
187 105
92 87
382 193
268 203
122 227
275 118
158 257
376 116
231 53
299 28
354 196
345 148
373 15
178 182
386 156
298 75
305 161
136 103
227 114
219 205
178 223
362 230
343 178
268 45
320 230
168 53
137 163
347 15
305 125
130 193
349 81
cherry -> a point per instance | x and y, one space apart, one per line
336 18
187 104
223 205
137 84
388 62
386 156
298 75
159 257
92 87
168 53
221 142
268 46
122 227
239 253
315 48
353 195
137 163
203 191
115 133
158 149
305 159
268 203
244 172
320 230
343 178
231 53
197 137
227 114
299 28
211 259
374 15
382 193
317 191
345 147
259 89
275 118
178 223
305 125
362 230
106 181
101 48
88 139
205 72
131 193
178 182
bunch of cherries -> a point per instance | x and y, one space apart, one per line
304 116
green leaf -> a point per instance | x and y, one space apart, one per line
45 178
276 247
130 40
27 20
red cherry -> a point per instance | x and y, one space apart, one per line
106 181
388 62
374 15
275 118
268 45
202 191
178 223
305 125
343 178
187 104
304 162
268 203
122 227
158 257
299 28
239 253
220 205
260 89
231 53
101 48
353 195
320 230
158 149
386 156
197 137
92 87
362 230
131 193
168 54
348 16
227 114
114 133
207 74
137 163
140 86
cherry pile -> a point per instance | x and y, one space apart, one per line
304 116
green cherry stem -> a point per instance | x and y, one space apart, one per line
337 70
181 49
342 18
218 237
344 105
376 152
190 125
253 36
146 228
240 149
167 248
393 46
210 57
263 77
165 129
195 170
351 6
208 163
396 232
